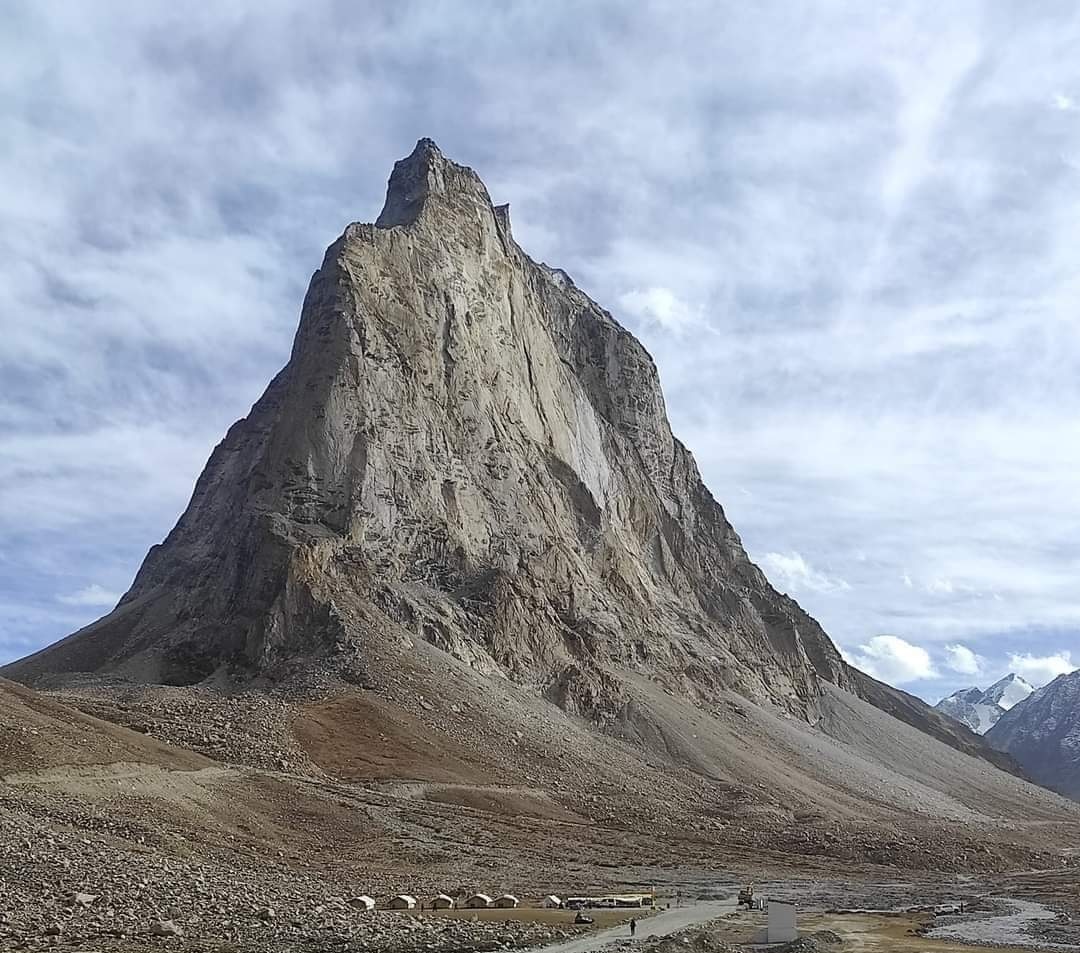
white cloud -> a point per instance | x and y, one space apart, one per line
791 573
92 595
660 306
1040 669
963 660
940 587
1064 102
894 660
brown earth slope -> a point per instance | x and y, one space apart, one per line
38 732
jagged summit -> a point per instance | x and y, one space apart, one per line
1009 691
980 710
425 173
467 451
971 707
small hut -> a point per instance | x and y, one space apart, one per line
402 902
506 902
552 902
442 902
478 901
781 926
363 902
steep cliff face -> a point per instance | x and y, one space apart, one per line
462 448
1042 733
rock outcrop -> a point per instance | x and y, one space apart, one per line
1042 733
463 448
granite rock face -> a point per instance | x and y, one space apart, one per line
465 449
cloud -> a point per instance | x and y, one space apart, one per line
792 573
92 595
962 660
1063 102
1040 669
894 660
940 586
661 306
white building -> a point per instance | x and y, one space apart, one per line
507 901
552 902
442 902
402 902
363 902
781 928
478 901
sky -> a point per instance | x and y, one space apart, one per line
848 233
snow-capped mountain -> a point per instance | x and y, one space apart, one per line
1009 691
980 710
1043 734
967 707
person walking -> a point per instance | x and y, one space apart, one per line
633 925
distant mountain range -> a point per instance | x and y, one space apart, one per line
1043 734
1040 728
981 710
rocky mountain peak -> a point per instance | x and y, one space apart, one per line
1043 733
423 174
1009 691
465 451
980 710
971 707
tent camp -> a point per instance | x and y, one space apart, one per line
442 902
478 901
552 902
363 902
506 901
402 902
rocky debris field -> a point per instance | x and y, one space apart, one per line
248 728
599 782
63 889
303 798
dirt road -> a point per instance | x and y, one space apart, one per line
660 924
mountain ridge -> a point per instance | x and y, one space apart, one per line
980 710
1042 733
